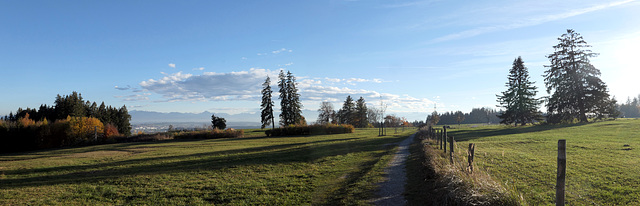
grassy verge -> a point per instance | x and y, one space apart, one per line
320 169
433 180
603 160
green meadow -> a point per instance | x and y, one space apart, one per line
296 170
603 160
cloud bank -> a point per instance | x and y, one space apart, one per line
246 86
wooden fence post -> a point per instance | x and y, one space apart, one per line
451 150
562 171
472 148
439 138
444 139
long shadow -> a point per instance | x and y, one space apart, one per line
465 135
275 154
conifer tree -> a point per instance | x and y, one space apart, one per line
284 99
295 105
347 113
267 105
361 114
574 84
519 99
289 100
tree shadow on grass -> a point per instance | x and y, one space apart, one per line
275 154
465 135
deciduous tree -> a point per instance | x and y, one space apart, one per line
326 113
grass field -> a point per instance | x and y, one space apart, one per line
603 160
323 169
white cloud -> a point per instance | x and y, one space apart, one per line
172 65
210 86
246 86
200 69
123 88
352 81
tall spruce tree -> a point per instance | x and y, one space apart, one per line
519 99
295 105
574 84
347 113
267 104
361 120
289 100
284 99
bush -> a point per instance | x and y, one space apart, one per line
210 134
312 129
111 131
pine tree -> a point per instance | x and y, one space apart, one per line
295 105
267 105
574 84
123 121
346 114
361 114
289 100
284 99
519 99
218 122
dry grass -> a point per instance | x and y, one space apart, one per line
452 184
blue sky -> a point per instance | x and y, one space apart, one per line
195 56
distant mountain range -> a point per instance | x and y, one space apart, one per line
245 120
144 117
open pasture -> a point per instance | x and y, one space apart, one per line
320 169
603 160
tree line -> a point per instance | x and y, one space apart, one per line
476 116
70 121
353 113
630 109
74 105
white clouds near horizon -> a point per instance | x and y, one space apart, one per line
246 86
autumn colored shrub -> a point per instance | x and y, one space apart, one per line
26 122
83 128
110 131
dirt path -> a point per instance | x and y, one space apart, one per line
392 190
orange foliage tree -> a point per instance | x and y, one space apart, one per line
82 128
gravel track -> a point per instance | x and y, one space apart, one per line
391 191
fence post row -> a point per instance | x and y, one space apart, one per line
562 170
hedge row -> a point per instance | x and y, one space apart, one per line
211 134
311 129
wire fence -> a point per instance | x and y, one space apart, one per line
447 143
